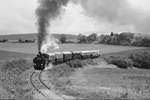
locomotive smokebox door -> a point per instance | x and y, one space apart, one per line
40 61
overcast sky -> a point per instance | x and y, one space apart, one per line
18 16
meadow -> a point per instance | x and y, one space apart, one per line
31 48
94 80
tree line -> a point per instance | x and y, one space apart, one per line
18 41
124 38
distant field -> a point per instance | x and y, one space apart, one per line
31 48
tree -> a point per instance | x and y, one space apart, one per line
4 40
126 38
63 39
112 33
20 40
146 42
82 38
115 39
104 39
92 37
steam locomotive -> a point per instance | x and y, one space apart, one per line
42 59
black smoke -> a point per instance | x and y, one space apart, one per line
47 11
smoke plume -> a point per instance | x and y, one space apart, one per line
47 11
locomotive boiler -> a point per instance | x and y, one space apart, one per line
42 59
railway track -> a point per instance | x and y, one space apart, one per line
48 87
42 81
34 86
43 84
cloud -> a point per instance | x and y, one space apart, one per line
117 13
74 21
18 16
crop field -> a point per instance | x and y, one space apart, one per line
31 48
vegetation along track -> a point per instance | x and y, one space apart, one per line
42 81
39 78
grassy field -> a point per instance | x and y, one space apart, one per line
91 82
102 81
31 48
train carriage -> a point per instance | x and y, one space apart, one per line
43 59
52 58
59 57
95 53
76 55
67 56
85 54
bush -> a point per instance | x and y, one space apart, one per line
61 70
120 62
141 60
82 38
63 39
75 63
13 81
92 37
26 41
29 41
4 40
16 66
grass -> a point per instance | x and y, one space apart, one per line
14 80
16 85
120 62
16 66
129 59
31 48
102 83
141 59
95 83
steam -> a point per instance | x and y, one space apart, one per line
49 42
47 11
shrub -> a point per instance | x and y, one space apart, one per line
89 62
75 63
63 39
92 37
120 62
29 41
61 70
4 40
141 60
16 66
82 38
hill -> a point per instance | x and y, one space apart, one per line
33 36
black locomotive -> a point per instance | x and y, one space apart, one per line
42 60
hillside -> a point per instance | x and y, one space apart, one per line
33 36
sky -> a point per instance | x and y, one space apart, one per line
87 16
